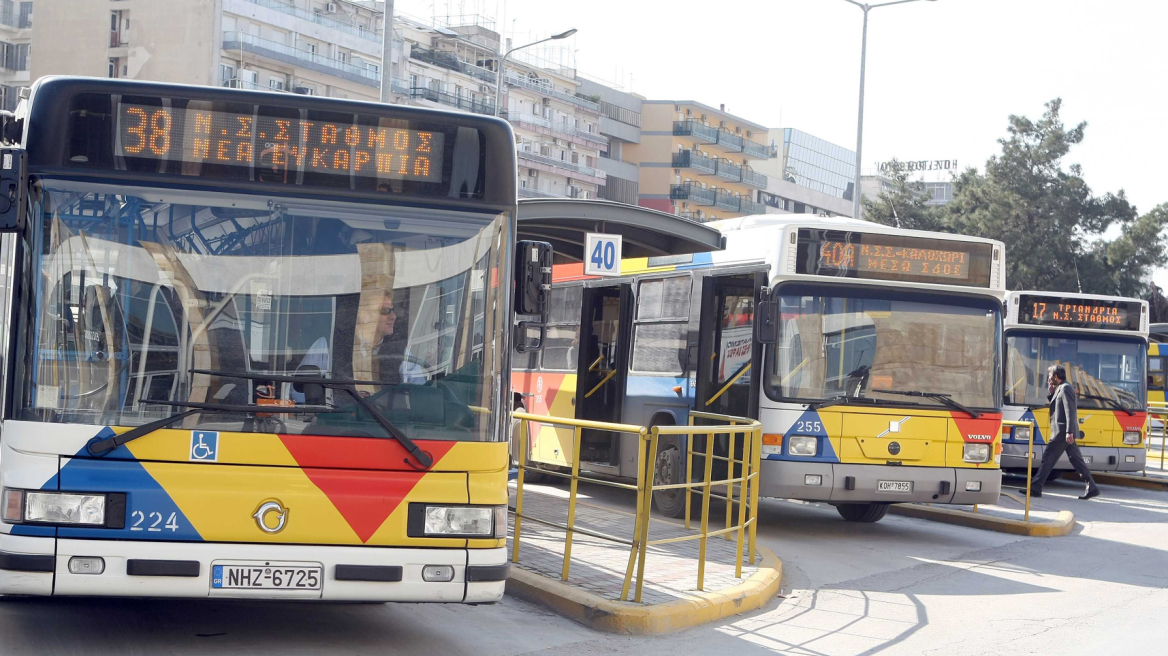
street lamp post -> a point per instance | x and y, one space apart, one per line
503 60
860 117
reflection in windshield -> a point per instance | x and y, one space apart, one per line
1108 368
136 290
830 346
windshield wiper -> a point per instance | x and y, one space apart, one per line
1116 404
940 397
837 400
347 386
102 447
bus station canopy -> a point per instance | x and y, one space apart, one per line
564 222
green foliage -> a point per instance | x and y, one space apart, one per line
901 203
1052 224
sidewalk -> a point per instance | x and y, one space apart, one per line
669 601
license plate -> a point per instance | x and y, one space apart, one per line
1088 459
265 576
894 486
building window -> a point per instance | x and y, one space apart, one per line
342 56
226 74
112 70
275 84
25 15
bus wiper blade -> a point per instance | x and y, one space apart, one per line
346 386
102 447
1116 404
837 400
245 408
936 396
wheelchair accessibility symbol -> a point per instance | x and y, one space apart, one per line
205 446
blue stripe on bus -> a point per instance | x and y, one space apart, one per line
808 423
1026 416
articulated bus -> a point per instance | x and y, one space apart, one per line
1157 335
881 382
1102 342
257 346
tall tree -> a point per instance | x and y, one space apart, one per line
1052 224
902 202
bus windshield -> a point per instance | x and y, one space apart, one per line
1100 368
852 343
138 288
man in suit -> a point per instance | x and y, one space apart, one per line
1064 428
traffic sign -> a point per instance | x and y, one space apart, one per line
602 254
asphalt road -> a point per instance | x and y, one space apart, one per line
902 586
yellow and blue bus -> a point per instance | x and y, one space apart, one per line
880 383
256 346
1102 342
1157 335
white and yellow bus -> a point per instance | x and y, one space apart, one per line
1102 341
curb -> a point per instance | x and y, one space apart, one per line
1061 525
629 618
1125 480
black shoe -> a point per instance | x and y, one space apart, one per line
1091 493
1035 493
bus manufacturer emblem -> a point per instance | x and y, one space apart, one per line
894 448
264 516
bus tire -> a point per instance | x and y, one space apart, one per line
668 470
863 512
533 477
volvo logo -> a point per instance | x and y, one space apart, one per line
893 448
271 516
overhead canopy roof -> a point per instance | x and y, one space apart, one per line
645 233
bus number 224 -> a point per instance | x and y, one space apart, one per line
138 518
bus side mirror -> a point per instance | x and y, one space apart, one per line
528 336
533 277
13 183
766 325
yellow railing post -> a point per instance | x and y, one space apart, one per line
576 433
756 473
642 444
729 485
1029 469
742 497
705 511
688 473
521 461
643 511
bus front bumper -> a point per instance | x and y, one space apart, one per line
1099 458
40 566
857 483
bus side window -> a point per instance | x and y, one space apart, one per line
561 346
1155 373
662 325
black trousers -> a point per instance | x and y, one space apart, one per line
1054 450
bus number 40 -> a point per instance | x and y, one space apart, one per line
605 259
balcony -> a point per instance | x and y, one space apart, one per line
700 133
233 41
757 150
117 40
748 206
236 83
533 120
319 19
754 179
531 192
450 60
689 159
694 193
551 92
597 175
727 201
729 170
451 100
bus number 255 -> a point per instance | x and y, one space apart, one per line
152 522
808 427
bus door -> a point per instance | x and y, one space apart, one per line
603 365
728 356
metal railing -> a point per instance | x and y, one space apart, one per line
267 47
319 19
551 92
745 528
747 206
691 159
754 178
699 131
1156 408
1029 459
728 201
563 164
692 192
451 60
532 119
729 170
453 100
757 150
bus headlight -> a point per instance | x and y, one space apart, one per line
462 521
1022 433
1131 437
976 453
61 508
802 445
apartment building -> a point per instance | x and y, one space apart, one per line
620 123
557 131
697 161
448 64
15 43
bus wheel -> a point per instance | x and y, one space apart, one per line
667 471
863 512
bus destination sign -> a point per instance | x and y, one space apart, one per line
893 257
203 136
1111 314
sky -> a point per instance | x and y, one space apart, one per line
942 76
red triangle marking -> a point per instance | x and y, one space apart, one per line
364 497
358 452
990 423
1130 422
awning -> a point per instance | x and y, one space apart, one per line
645 233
